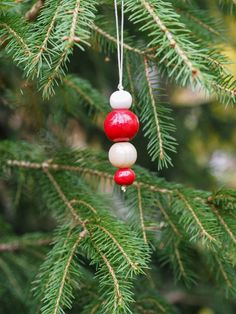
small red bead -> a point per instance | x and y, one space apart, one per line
121 125
124 176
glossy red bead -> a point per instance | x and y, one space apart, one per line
124 176
121 125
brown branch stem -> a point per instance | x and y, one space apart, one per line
32 14
93 172
20 245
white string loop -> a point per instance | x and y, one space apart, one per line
120 42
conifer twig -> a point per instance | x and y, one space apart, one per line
95 308
118 245
180 262
199 22
154 301
224 224
117 291
141 214
18 38
155 113
224 274
84 204
190 208
168 219
173 43
64 198
58 167
65 273
71 84
111 38
44 44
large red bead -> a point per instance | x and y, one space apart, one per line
121 125
124 176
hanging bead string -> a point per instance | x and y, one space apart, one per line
120 42
121 125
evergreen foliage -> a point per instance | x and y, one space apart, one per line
105 250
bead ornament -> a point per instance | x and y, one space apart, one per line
121 125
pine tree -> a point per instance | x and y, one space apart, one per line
101 251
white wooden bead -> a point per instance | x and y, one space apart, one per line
122 155
121 99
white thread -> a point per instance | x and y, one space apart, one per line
120 42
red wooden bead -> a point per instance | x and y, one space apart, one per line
121 125
124 176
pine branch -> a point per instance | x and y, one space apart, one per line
120 248
224 274
11 278
222 271
192 216
150 300
116 254
180 263
226 220
60 26
111 238
170 37
56 308
58 298
104 245
14 32
109 245
88 171
224 224
59 62
222 85
141 213
155 302
77 21
118 301
199 22
100 34
179 255
64 199
204 25
43 29
173 247
75 87
157 123
191 207
223 199
59 272
154 16
180 55
49 48
92 308
172 224
203 232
